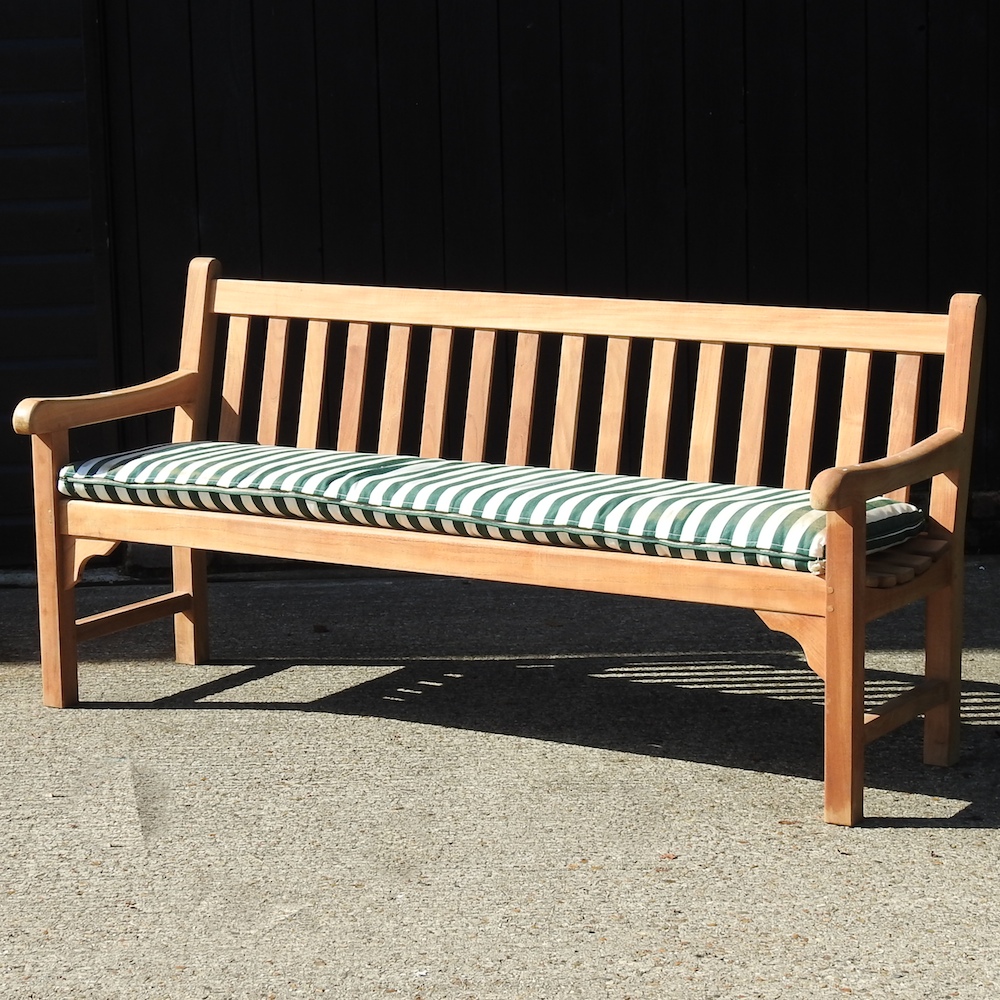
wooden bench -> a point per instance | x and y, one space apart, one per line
652 378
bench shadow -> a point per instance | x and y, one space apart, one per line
759 711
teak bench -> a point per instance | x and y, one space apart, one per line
462 368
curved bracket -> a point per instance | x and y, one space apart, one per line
79 551
809 631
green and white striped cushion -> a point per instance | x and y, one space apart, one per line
737 524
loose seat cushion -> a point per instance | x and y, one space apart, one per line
709 521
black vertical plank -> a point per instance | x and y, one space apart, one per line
594 148
837 144
653 113
166 182
958 151
776 152
531 95
287 140
715 140
471 144
122 209
410 120
350 158
897 154
222 54
986 467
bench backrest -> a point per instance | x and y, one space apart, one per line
471 367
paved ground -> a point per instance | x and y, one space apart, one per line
414 788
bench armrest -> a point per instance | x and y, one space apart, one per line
839 487
43 416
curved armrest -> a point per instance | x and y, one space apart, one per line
42 416
839 487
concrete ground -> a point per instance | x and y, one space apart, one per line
403 787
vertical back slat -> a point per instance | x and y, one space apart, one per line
854 407
436 392
802 418
522 398
275 353
753 415
706 412
313 380
567 401
234 377
480 386
658 399
609 434
905 403
352 400
397 364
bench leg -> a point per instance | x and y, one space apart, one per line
944 663
56 597
844 707
191 626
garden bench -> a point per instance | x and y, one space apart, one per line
443 432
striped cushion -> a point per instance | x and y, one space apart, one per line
738 524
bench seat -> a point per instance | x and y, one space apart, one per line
752 525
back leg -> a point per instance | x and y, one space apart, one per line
191 626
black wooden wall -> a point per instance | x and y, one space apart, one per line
52 310
775 151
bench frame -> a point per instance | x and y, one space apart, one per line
826 615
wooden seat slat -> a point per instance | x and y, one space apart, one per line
436 391
612 424
904 410
480 392
567 413
659 397
753 415
275 357
234 378
352 400
705 421
854 407
522 398
313 383
802 418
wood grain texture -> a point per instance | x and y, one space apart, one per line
612 423
272 387
397 367
234 378
522 398
854 407
802 418
311 402
753 415
567 413
480 390
352 400
436 392
697 321
659 398
705 421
